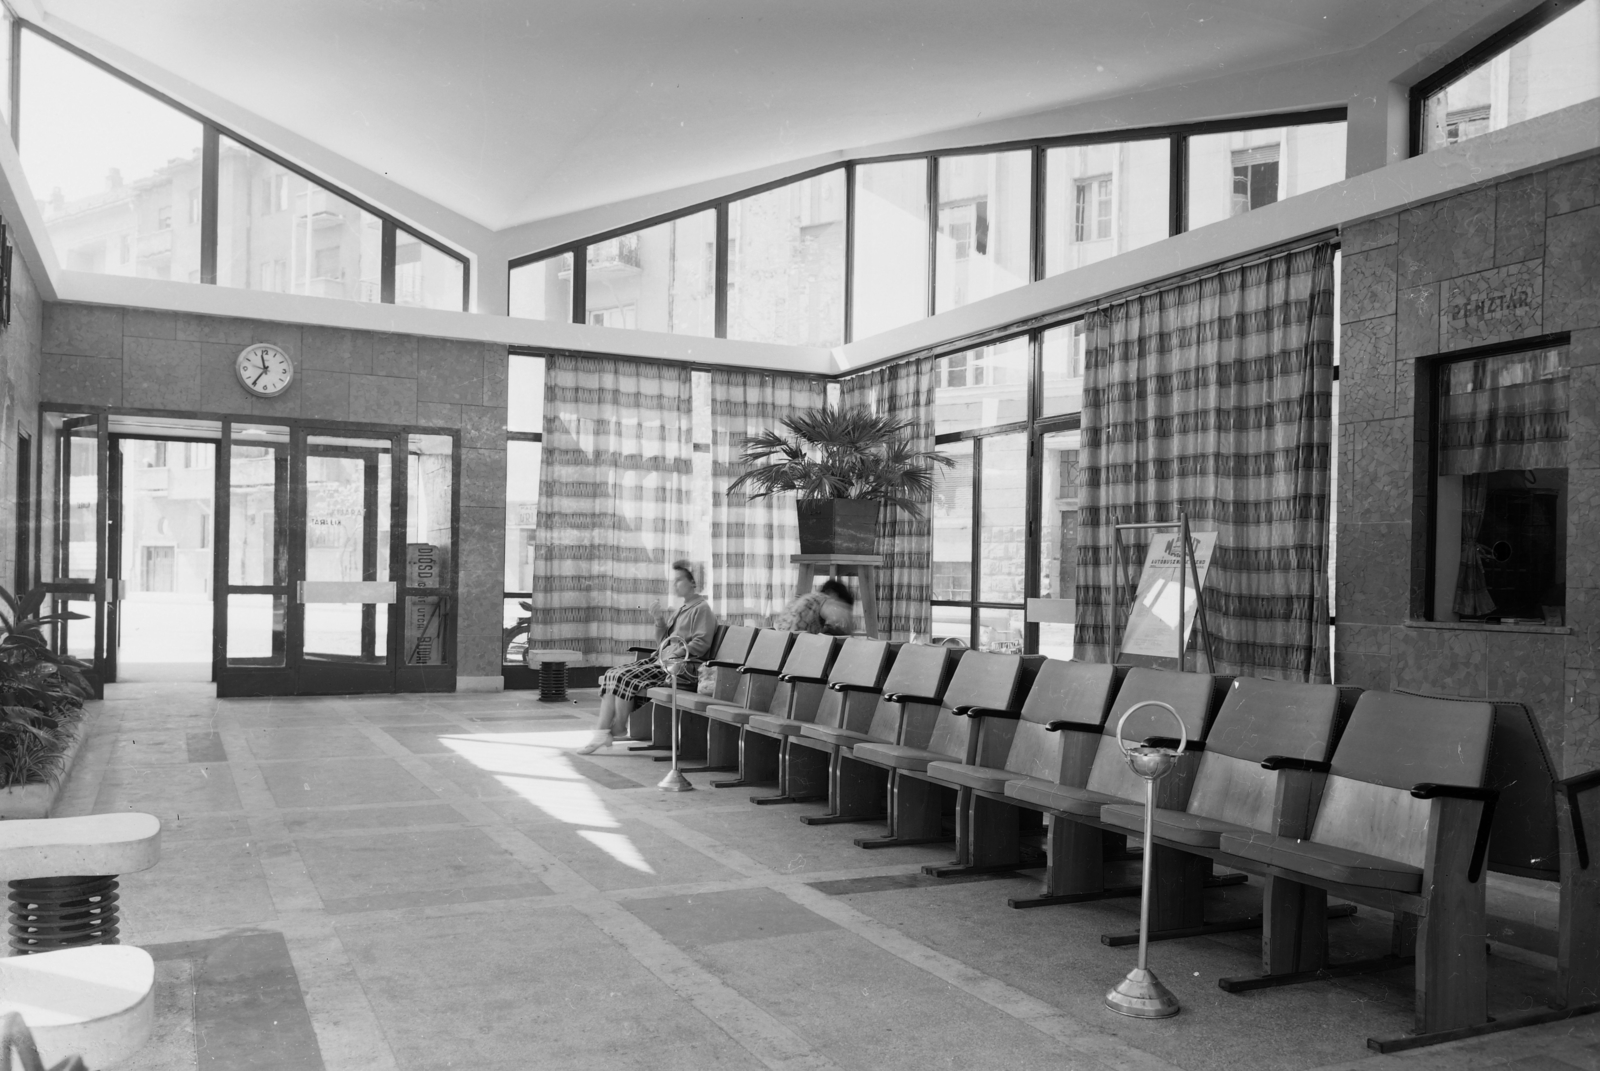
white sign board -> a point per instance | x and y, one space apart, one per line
1153 622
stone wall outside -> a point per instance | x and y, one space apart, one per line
148 359
1516 259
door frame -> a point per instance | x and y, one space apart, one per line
242 680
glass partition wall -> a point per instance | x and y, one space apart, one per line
325 553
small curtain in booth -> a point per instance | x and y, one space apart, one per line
752 539
614 493
903 389
1214 396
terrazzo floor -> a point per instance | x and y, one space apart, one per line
436 881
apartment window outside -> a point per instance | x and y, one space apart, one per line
983 244
786 263
194 206
1500 488
890 276
1241 170
660 278
1544 63
1255 177
542 289
426 276
1091 209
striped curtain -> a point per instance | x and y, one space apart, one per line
1213 396
613 503
751 541
903 389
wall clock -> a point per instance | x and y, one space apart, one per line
264 370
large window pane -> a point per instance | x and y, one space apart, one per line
1557 65
952 526
522 512
525 393
985 222
279 231
1000 631
116 172
542 290
786 264
427 276
1233 173
1003 520
1062 389
952 626
891 247
1058 515
1101 200
981 387
662 278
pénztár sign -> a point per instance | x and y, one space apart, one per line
1153 620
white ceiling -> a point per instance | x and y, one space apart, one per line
507 112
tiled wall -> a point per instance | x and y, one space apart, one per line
19 397
1513 260
97 355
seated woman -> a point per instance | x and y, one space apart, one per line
693 623
829 610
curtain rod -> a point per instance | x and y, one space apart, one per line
1068 313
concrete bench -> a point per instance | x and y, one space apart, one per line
94 1003
62 875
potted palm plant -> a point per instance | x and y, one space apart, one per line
843 465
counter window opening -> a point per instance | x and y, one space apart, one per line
1499 487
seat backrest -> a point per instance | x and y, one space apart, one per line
810 657
859 664
918 669
1259 719
1393 742
1062 691
1192 695
1523 840
758 680
735 645
997 735
981 679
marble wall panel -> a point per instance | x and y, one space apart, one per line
1446 661
394 355
82 330
239 333
1492 306
483 478
1370 234
1444 239
383 399
80 380
1381 471
325 395
284 405
1583 417
450 371
1572 266
150 323
195 376
1584 350
1364 655
334 349
1374 583
1580 750
481 554
1583 618
1417 322
494 377
438 414
1530 668
1519 219
1367 285
483 427
1583 528
1366 370
1573 186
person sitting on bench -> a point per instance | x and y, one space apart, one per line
694 623
830 610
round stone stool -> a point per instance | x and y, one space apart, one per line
552 663
94 1002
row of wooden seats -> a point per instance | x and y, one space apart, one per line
1382 799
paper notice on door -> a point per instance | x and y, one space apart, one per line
424 630
1153 623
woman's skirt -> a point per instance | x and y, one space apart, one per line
633 680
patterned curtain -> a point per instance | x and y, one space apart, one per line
1213 396
1507 412
903 389
751 541
613 502
1472 588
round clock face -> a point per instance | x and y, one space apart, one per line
264 369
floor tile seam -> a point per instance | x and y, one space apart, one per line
1042 1016
703 843
749 1025
82 788
339 1005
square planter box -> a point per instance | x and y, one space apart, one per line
838 526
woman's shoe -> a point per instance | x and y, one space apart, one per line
598 742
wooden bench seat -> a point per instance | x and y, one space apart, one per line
729 652
756 679
797 691
803 763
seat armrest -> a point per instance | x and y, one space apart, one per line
1574 786
1172 742
1289 762
643 650
975 711
758 671
721 663
1480 847
1073 726
907 697
795 678
846 686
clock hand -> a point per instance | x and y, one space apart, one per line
256 381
